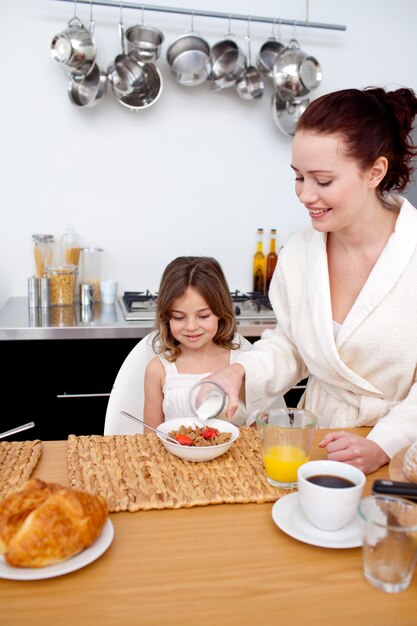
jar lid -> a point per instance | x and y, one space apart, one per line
61 269
43 238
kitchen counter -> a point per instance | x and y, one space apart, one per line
103 321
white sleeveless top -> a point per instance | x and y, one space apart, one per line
177 388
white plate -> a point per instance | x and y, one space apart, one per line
76 562
289 517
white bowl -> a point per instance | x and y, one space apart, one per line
198 453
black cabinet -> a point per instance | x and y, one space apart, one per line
61 385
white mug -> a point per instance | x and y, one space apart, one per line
108 290
330 508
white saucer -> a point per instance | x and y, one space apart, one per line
289 517
78 561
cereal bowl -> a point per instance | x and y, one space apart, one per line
197 453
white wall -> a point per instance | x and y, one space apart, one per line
196 173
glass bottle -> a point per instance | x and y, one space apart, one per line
271 259
91 269
70 247
259 265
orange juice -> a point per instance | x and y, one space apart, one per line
282 462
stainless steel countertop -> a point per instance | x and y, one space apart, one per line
103 321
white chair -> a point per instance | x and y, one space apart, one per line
128 388
128 393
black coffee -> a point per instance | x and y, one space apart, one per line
326 480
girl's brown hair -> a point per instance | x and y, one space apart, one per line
371 123
207 277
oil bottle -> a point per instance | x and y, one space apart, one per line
271 259
259 265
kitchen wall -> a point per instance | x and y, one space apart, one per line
196 173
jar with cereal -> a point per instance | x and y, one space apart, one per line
62 284
70 246
43 250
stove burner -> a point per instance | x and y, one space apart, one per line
141 305
262 298
139 300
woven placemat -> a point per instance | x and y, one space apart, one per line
18 459
135 472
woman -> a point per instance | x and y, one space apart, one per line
345 291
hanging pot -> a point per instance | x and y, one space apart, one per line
144 43
286 114
88 90
147 94
228 64
295 73
189 60
74 48
268 54
251 85
125 73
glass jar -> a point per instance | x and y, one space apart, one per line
91 269
62 284
70 247
43 250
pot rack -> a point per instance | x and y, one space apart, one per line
216 14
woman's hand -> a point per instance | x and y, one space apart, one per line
230 378
358 451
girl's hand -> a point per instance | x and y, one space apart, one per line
230 378
358 451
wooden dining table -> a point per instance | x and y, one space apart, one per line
220 565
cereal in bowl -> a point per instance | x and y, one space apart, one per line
206 436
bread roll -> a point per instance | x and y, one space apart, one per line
410 463
45 523
15 508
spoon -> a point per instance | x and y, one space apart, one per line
17 429
158 432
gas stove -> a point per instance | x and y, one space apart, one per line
140 306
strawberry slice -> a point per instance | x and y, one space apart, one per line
209 433
184 440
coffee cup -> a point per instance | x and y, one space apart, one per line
330 492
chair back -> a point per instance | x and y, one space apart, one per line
128 391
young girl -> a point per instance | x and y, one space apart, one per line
195 336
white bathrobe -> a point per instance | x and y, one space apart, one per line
367 375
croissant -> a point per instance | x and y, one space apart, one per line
46 523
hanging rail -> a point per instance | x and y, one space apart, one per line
196 12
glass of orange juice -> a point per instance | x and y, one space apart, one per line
286 437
